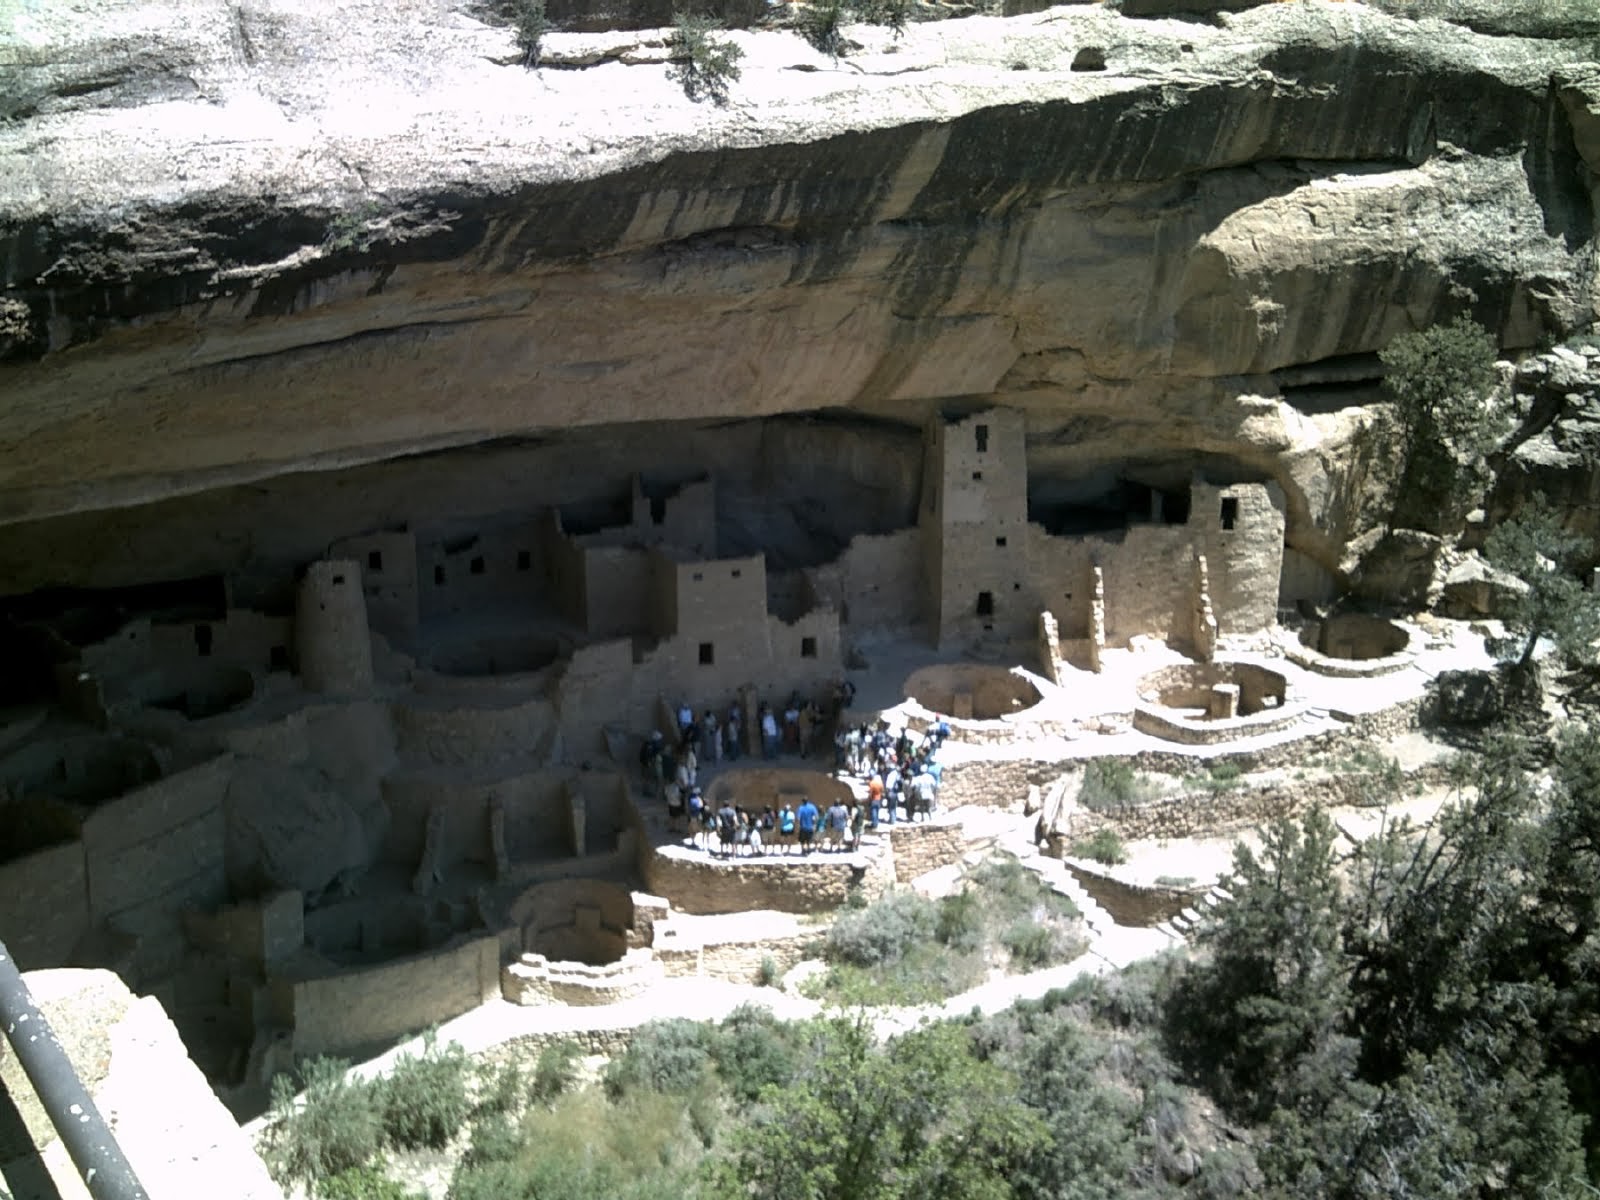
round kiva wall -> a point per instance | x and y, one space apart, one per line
575 920
1355 636
1188 688
972 691
757 788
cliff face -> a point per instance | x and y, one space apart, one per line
247 240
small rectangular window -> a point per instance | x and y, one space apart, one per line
524 560
737 572
338 580
977 475
375 560
278 658
438 577
1230 511
476 566
986 604
708 654
1000 541
982 432
808 647
202 640
698 576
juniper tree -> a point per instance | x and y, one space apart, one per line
1535 548
1440 380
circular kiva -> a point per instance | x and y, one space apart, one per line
757 788
972 691
1213 702
1351 644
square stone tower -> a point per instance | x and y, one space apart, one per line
974 520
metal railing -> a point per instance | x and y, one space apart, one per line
66 1101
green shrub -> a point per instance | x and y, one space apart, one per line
335 1128
1110 785
883 931
555 1072
424 1100
494 1139
672 1057
362 1183
753 1049
702 63
767 974
1175 881
1029 943
499 1090
822 24
961 920
529 21
1222 777
1104 846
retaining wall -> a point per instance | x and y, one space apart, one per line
364 1006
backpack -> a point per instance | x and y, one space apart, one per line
697 802
726 821
786 822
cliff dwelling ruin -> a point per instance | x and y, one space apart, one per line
401 430
318 808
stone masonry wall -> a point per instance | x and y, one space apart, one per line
876 582
156 851
44 905
365 1006
923 846
995 784
697 884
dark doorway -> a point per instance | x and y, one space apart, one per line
986 604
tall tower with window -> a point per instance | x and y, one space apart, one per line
974 519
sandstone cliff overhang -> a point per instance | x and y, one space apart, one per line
247 239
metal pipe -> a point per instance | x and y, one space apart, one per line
67 1102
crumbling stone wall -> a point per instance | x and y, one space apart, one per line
877 583
923 846
364 1006
1001 784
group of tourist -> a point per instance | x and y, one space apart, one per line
732 831
897 770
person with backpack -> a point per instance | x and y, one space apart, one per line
857 820
697 814
727 827
786 826
805 819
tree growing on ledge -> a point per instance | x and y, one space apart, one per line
1440 380
529 20
1535 548
702 63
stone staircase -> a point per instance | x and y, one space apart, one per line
1186 922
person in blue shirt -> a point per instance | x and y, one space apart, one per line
805 819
